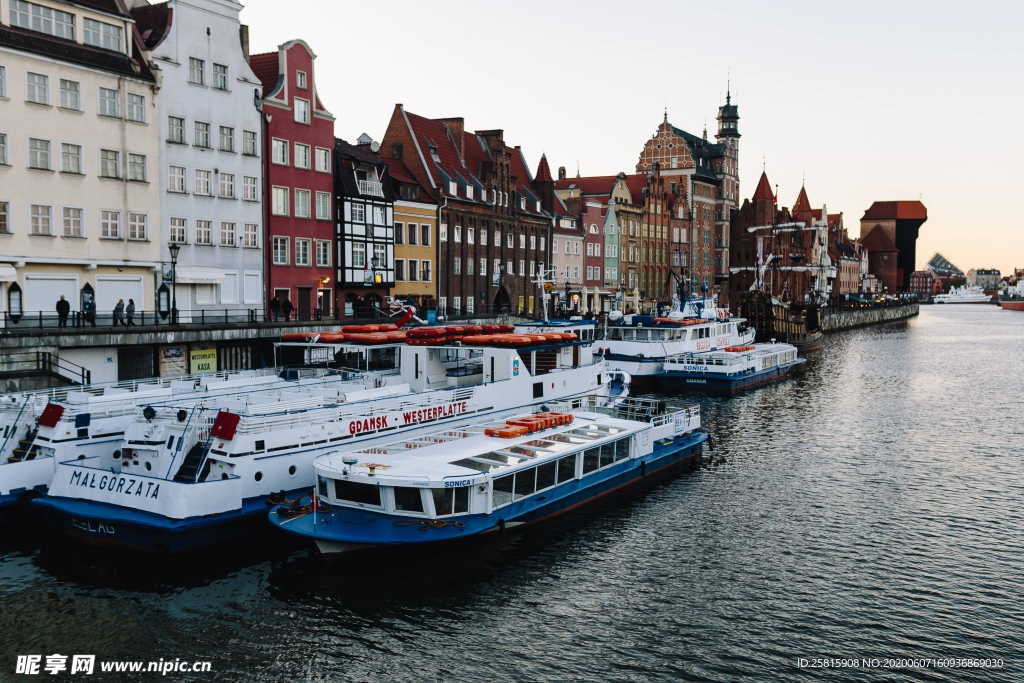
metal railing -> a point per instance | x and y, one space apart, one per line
80 321
44 362
371 187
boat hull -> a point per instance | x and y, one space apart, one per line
338 530
719 384
1012 305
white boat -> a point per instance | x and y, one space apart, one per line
460 483
190 470
729 370
967 294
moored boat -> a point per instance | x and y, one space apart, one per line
967 294
1012 298
457 484
730 370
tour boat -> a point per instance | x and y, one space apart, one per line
639 344
453 484
730 370
1012 298
41 428
190 470
968 294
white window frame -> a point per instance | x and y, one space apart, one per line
177 230
301 158
110 224
109 103
280 200
37 88
228 234
250 143
323 249
281 244
177 179
323 159
196 71
70 94
323 205
226 186
204 232
104 163
138 226
37 215
279 151
203 182
250 188
73 221
302 205
301 110
39 154
133 167
136 108
251 236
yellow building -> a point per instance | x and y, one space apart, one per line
415 241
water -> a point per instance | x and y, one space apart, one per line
870 508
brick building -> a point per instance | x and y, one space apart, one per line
900 221
493 233
922 283
298 182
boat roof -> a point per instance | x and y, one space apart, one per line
558 323
467 451
762 349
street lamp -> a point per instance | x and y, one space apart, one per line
174 249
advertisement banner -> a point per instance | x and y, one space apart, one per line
202 358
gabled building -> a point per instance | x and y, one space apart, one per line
298 184
80 201
570 220
901 221
210 171
365 230
494 234
415 239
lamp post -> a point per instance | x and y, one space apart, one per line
174 249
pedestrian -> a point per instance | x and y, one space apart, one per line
275 308
63 308
131 312
286 309
119 313
89 311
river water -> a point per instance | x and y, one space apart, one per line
872 507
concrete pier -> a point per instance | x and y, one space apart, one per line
834 320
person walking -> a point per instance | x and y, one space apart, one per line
89 312
119 313
275 308
131 312
63 308
286 309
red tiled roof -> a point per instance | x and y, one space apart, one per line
802 202
764 189
878 240
592 185
900 210
543 172
430 132
265 66
398 171
635 183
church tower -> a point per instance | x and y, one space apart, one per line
729 135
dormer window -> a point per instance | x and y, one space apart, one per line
453 188
300 80
43 19
469 191
522 203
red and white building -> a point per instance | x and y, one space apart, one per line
298 183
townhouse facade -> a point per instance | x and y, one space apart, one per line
493 232
80 208
298 185
415 240
210 176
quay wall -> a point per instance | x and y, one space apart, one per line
836 320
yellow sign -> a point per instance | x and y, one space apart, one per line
202 359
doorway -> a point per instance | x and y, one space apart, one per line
304 298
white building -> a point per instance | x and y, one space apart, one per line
210 170
79 197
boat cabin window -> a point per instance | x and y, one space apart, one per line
591 460
567 468
503 487
451 501
322 486
355 492
408 499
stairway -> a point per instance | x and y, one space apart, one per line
26 449
189 470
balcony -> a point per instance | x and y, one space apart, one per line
371 187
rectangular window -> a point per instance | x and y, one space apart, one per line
522 267
425 235
413 268
399 270
42 220
510 240
378 215
380 256
42 19
110 163
354 492
457 304
279 201
470 235
497 238
202 137
110 224
542 242
220 77
323 206
252 235
279 151
399 233
137 226
300 80
280 251
204 232
412 234
301 155
359 213
533 241
358 254
442 232
39 153
323 253
470 266
99 34
3 81
5 226
250 188
425 271
227 139
203 184
470 301
72 222
37 88
249 143
483 236
176 129
136 108
176 179
323 160
70 94
458 233
522 241
137 167
301 110
109 102
227 234
457 266
227 185
178 232
301 208
483 265
196 71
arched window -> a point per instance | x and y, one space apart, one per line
14 302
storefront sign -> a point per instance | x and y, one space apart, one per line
203 358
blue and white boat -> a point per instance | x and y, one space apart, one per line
729 370
190 472
459 483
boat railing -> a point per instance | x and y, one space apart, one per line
11 431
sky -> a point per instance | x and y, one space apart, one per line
866 101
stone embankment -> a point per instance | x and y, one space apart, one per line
834 320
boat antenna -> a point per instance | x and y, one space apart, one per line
545 283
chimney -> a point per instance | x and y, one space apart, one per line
243 36
455 126
561 172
